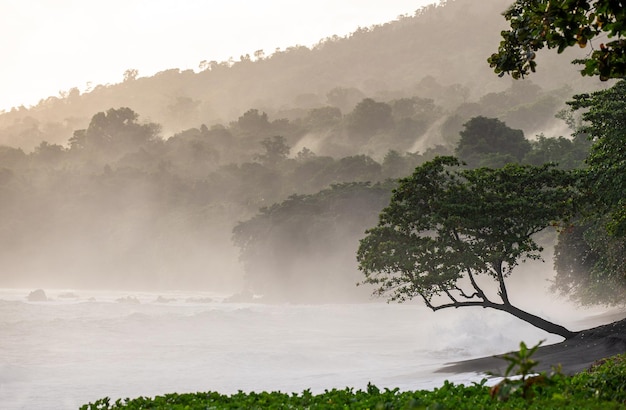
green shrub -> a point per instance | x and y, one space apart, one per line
603 387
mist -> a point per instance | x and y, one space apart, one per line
198 230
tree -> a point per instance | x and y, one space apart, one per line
566 153
12 158
130 74
605 180
369 117
253 122
445 230
393 165
276 150
323 118
589 258
114 132
560 24
48 154
356 168
590 264
301 249
482 138
183 111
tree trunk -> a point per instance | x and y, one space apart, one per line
536 321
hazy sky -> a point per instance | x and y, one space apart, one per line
49 46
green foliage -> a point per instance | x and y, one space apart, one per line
448 396
444 228
559 24
599 388
605 124
605 380
590 261
521 364
589 264
573 262
441 223
567 153
521 361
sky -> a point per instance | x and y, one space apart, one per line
49 46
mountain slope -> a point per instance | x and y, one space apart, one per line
440 45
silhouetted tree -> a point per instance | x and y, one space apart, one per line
369 117
276 150
445 229
114 133
567 153
48 154
253 122
302 249
485 139
561 24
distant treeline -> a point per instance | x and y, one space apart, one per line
297 150
438 53
119 206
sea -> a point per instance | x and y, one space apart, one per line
82 345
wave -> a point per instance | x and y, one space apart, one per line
76 350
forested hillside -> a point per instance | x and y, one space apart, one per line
265 171
437 53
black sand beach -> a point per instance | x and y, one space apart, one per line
573 355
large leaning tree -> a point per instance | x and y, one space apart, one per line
559 24
447 229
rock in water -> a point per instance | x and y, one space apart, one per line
37 296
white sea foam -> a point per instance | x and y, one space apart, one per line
74 350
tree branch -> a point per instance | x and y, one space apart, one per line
466 296
479 291
427 302
447 292
520 314
502 292
483 304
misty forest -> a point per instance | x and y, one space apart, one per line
392 161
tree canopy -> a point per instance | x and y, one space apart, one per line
115 131
605 125
485 140
302 249
535 24
446 228
589 258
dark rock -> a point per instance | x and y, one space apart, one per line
128 299
37 296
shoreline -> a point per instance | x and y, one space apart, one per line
571 355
